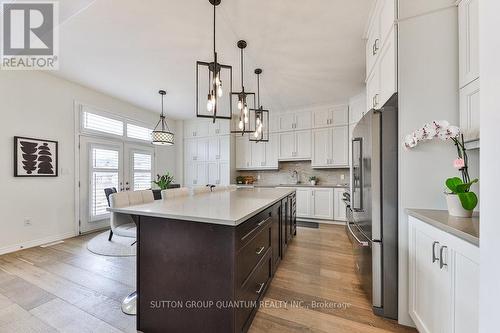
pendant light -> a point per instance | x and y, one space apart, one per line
213 106
243 98
261 133
162 135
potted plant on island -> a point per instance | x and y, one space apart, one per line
461 200
162 182
313 180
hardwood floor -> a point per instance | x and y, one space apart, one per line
66 288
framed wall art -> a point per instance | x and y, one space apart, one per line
35 157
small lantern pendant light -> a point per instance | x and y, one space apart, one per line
261 133
244 98
162 135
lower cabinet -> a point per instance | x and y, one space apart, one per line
339 208
443 280
320 203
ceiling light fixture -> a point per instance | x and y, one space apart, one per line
243 98
161 135
214 107
261 133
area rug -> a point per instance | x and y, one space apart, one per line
117 247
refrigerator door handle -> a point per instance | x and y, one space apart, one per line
362 243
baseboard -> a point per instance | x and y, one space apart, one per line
321 221
36 242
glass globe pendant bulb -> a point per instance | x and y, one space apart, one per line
246 119
240 125
245 110
258 121
210 105
256 134
219 91
240 105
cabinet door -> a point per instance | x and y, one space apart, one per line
340 152
213 173
224 147
286 122
373 42
372 90
387 71
190 174
202 149
190 150
423 276
303 120
201 174
272 151
303 145
258 154
190 128
321 147
322 203
465 273
274 123
224 173
469 111
340 116
339 208
286 145
242 152
387 17
304 202
213 148
322 118
202 127
468 41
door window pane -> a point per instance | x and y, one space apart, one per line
105 159
142 161
138 132
95 122
100 181
142 165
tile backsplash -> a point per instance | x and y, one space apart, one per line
284 174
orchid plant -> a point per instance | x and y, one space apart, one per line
444 131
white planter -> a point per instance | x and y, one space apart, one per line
313 182
455 206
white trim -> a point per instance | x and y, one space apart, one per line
36 242
320 221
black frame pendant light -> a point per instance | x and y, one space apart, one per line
243 98
214 107
161 135
261 118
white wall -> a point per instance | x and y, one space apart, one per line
489 49
39 105
428 90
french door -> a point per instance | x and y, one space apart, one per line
106 163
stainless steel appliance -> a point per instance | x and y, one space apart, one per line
373 211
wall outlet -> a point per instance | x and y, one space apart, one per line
27 222
342 176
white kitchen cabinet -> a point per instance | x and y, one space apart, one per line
387 70
322 203
274 123
468 41
190 150
202 149
286 145
294 121
339 208
372 90
338 115
243 152
258 154
330 147
303 145
357 108
387 13
196 174
443 280
221 127
272 152
196 128
303 198
373 41
218 148
218 173
469 110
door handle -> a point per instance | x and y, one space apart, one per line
434 258
362 243
441 260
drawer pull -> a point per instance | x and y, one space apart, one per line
441 260
434 258
261 287
259 251
257 227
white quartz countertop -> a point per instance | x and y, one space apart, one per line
224 207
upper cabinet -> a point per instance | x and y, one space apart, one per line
294 121
381 55
335 116
330 147
468 35
199 128
256 155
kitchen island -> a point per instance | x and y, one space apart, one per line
205 261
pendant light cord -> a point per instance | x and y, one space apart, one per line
242 86
258 90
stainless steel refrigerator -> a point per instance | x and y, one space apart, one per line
372 213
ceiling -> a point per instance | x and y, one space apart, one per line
312 52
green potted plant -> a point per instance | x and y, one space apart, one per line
164 181
461 200
313 180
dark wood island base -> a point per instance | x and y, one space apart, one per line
202 277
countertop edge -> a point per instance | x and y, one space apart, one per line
418 214
231 223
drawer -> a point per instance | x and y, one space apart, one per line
251 254
251 292
247 230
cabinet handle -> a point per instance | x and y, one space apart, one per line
441 261
376 100
375 46
434 258
261 287
259 251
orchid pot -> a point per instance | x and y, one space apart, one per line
455 207
313 180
